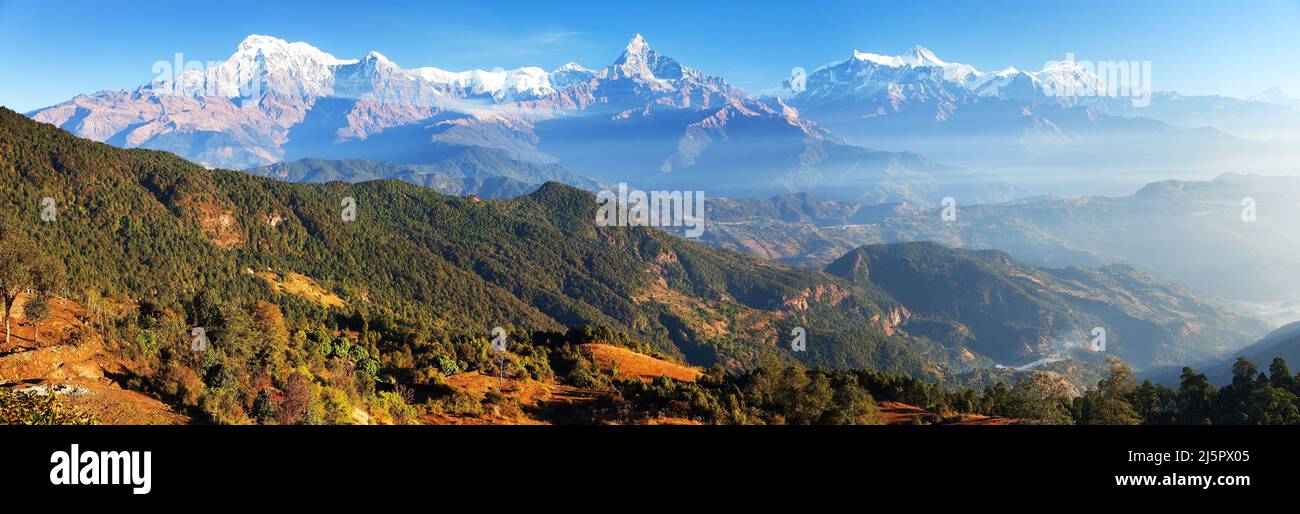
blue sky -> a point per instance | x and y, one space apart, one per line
51 51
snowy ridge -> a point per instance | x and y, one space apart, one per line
265 64
262 64
863 69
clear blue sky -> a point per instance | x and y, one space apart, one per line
51 51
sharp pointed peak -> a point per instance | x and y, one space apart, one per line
920 55
637 44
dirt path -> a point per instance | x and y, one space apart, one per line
70 360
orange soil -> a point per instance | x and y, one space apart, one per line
68 358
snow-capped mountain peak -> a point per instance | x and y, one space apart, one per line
637 45
641 63
1275 95
1068 78
274 45
499 84
883 60
258 41
921 56
569 74
635 62
1063 80
571 66
917 56
260 65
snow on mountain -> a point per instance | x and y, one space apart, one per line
640 63
895 74
569 74
501 85
268 65
920 56
1068 80
1276 96
1068 115
260 65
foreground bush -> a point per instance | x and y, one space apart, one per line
34 409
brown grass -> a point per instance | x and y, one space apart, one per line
531 395
301 285
894 413
630 365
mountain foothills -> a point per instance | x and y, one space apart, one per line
461 173
308 316
1233 237
982 297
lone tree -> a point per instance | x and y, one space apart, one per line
24 268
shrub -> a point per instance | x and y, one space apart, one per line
299 397
179 382
368 367
459 404
336 407
447 365
263 407
396 406
34 409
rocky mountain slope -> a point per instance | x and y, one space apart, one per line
645 119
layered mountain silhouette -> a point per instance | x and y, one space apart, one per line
1070 128
1009 310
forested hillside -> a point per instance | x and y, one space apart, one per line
1012 311
136 225
462 171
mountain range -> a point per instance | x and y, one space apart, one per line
483 172
1283 343
1100 140
997 306
645 119
1198 233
